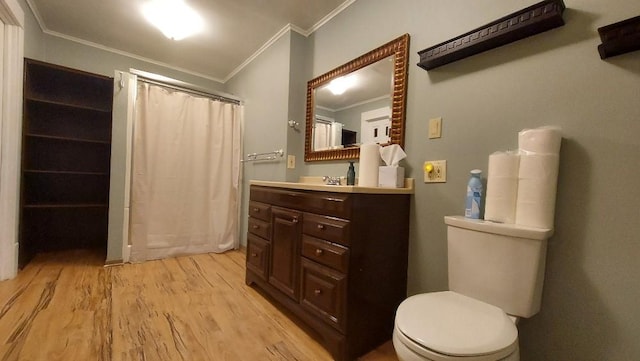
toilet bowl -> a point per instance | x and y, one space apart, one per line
446 325
493 269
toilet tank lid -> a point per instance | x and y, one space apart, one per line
454 324
504 229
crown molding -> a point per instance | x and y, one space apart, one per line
130 55
330 16
286 29
36 14
11 13
264 47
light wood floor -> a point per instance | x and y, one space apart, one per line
67 306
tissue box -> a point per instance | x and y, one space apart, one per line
390 176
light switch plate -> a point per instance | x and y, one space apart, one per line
435 128
291 162
439 172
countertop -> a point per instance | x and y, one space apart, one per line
316 184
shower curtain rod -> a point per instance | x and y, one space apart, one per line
148 78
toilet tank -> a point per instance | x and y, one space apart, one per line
501 264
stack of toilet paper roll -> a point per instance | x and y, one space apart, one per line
521 186
538 176
502 187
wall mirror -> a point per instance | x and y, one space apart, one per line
361 101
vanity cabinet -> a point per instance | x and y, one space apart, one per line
337 261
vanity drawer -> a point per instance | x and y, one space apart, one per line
327 203
260 228
323 252
330 204
324 293
257 255
260 211
327 228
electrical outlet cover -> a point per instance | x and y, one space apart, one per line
438 173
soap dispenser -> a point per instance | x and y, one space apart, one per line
351 175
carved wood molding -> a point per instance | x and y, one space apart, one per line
619 38
535 19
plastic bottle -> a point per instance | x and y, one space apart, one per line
474 195
351 175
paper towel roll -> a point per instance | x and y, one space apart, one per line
545 140
369 163
537 184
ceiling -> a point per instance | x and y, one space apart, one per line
236 30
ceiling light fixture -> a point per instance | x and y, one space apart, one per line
340 85
174 18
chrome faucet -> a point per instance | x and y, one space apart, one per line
332 181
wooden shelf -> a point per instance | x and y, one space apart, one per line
68 86
532 20
67 104
70 139
619 38
65 205
38 171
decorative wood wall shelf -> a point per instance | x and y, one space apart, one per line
619 38
535 19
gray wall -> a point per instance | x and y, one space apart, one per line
265 87
300 63
591 293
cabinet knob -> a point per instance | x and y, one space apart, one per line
255 226
253 254
319 252
321 226
295 220
257 210
317 292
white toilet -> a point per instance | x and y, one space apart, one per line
496 273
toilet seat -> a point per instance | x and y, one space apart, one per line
453 325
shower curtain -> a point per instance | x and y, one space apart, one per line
185 175
327 135
321 136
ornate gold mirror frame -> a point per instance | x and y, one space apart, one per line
399 48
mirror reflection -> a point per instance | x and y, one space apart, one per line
362 101
354 108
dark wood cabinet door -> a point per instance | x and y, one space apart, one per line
283 268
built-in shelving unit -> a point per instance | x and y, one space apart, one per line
532 20
65 159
